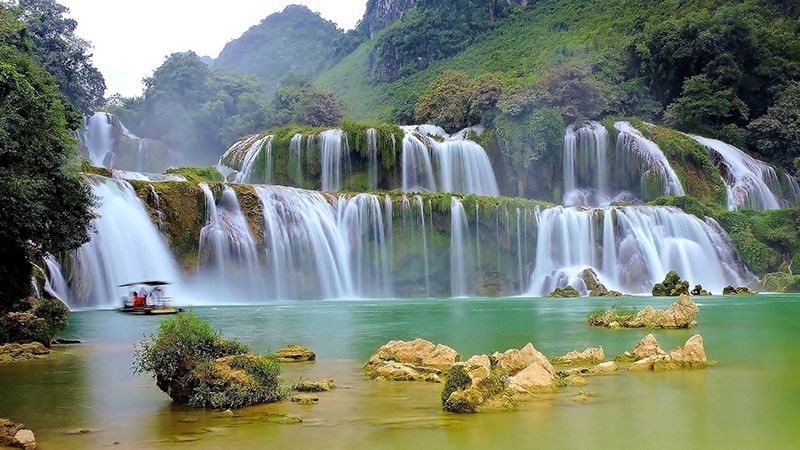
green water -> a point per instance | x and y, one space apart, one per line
749 399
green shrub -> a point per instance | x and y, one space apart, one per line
23 327
54 313
198 174
194 364
457 378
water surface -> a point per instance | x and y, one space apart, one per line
749 398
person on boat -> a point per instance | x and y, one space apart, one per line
156 295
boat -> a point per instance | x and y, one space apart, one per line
147 298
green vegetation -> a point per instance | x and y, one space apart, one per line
295 42
195 365
198 174
46 204
304 104
768 241
63 54
457 378
603 317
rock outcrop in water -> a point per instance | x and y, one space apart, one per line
741 290
417 360
10 353
13 435
294 353
691 355
564 292
699 291
680 314
592 355
672 286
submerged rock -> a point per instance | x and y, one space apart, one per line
15 436
741 290
592 355
10 353
295 353
691 355
417 360
680 314
305 399
672 286
565 292
323 385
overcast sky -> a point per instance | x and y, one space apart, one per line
132 37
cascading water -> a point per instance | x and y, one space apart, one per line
643 158
296 155
372 158
453 165
125 247
460 267
55 284
98 138
249 170
631 248
751 183
360 221
586 166
227 250
334 159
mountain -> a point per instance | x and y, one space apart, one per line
295 42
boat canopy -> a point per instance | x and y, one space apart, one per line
146 283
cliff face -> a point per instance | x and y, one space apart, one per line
382 13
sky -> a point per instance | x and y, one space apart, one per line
131 38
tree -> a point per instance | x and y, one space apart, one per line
704 103
65 55
776 134
300 102
572 89
446 102
46 206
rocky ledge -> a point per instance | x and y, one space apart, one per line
648 355
295 353
592 355
10 353
14 435
680 314
417 360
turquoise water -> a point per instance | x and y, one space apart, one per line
749 398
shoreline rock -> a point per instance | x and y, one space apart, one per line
14 435
590 356
11 353
691 355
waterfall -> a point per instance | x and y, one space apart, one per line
419 204
372 158
296 154
632 248
460 269
334 159
249 170
125 247
587 166
453 165
752 184
416 166
55 284
464 167
98 138
642 157
362 229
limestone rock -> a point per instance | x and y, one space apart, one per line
606 367
475 386
295 353
672 286
699 291
647 347
680 314
533 379
591 355
305 399
14 435
513 361
415 360
323 385
741 290
565 292
691 355
10 353
593 284
25 439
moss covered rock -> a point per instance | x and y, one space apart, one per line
672 286
565 292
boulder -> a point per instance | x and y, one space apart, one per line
533 379
417 360
15 436
741 290
605 367
591 355
672 286
295 353
305 399
474 386
699 291
613 293
323 385
680 314
691 355
647 347
10 353
593 284
513 361
565 292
